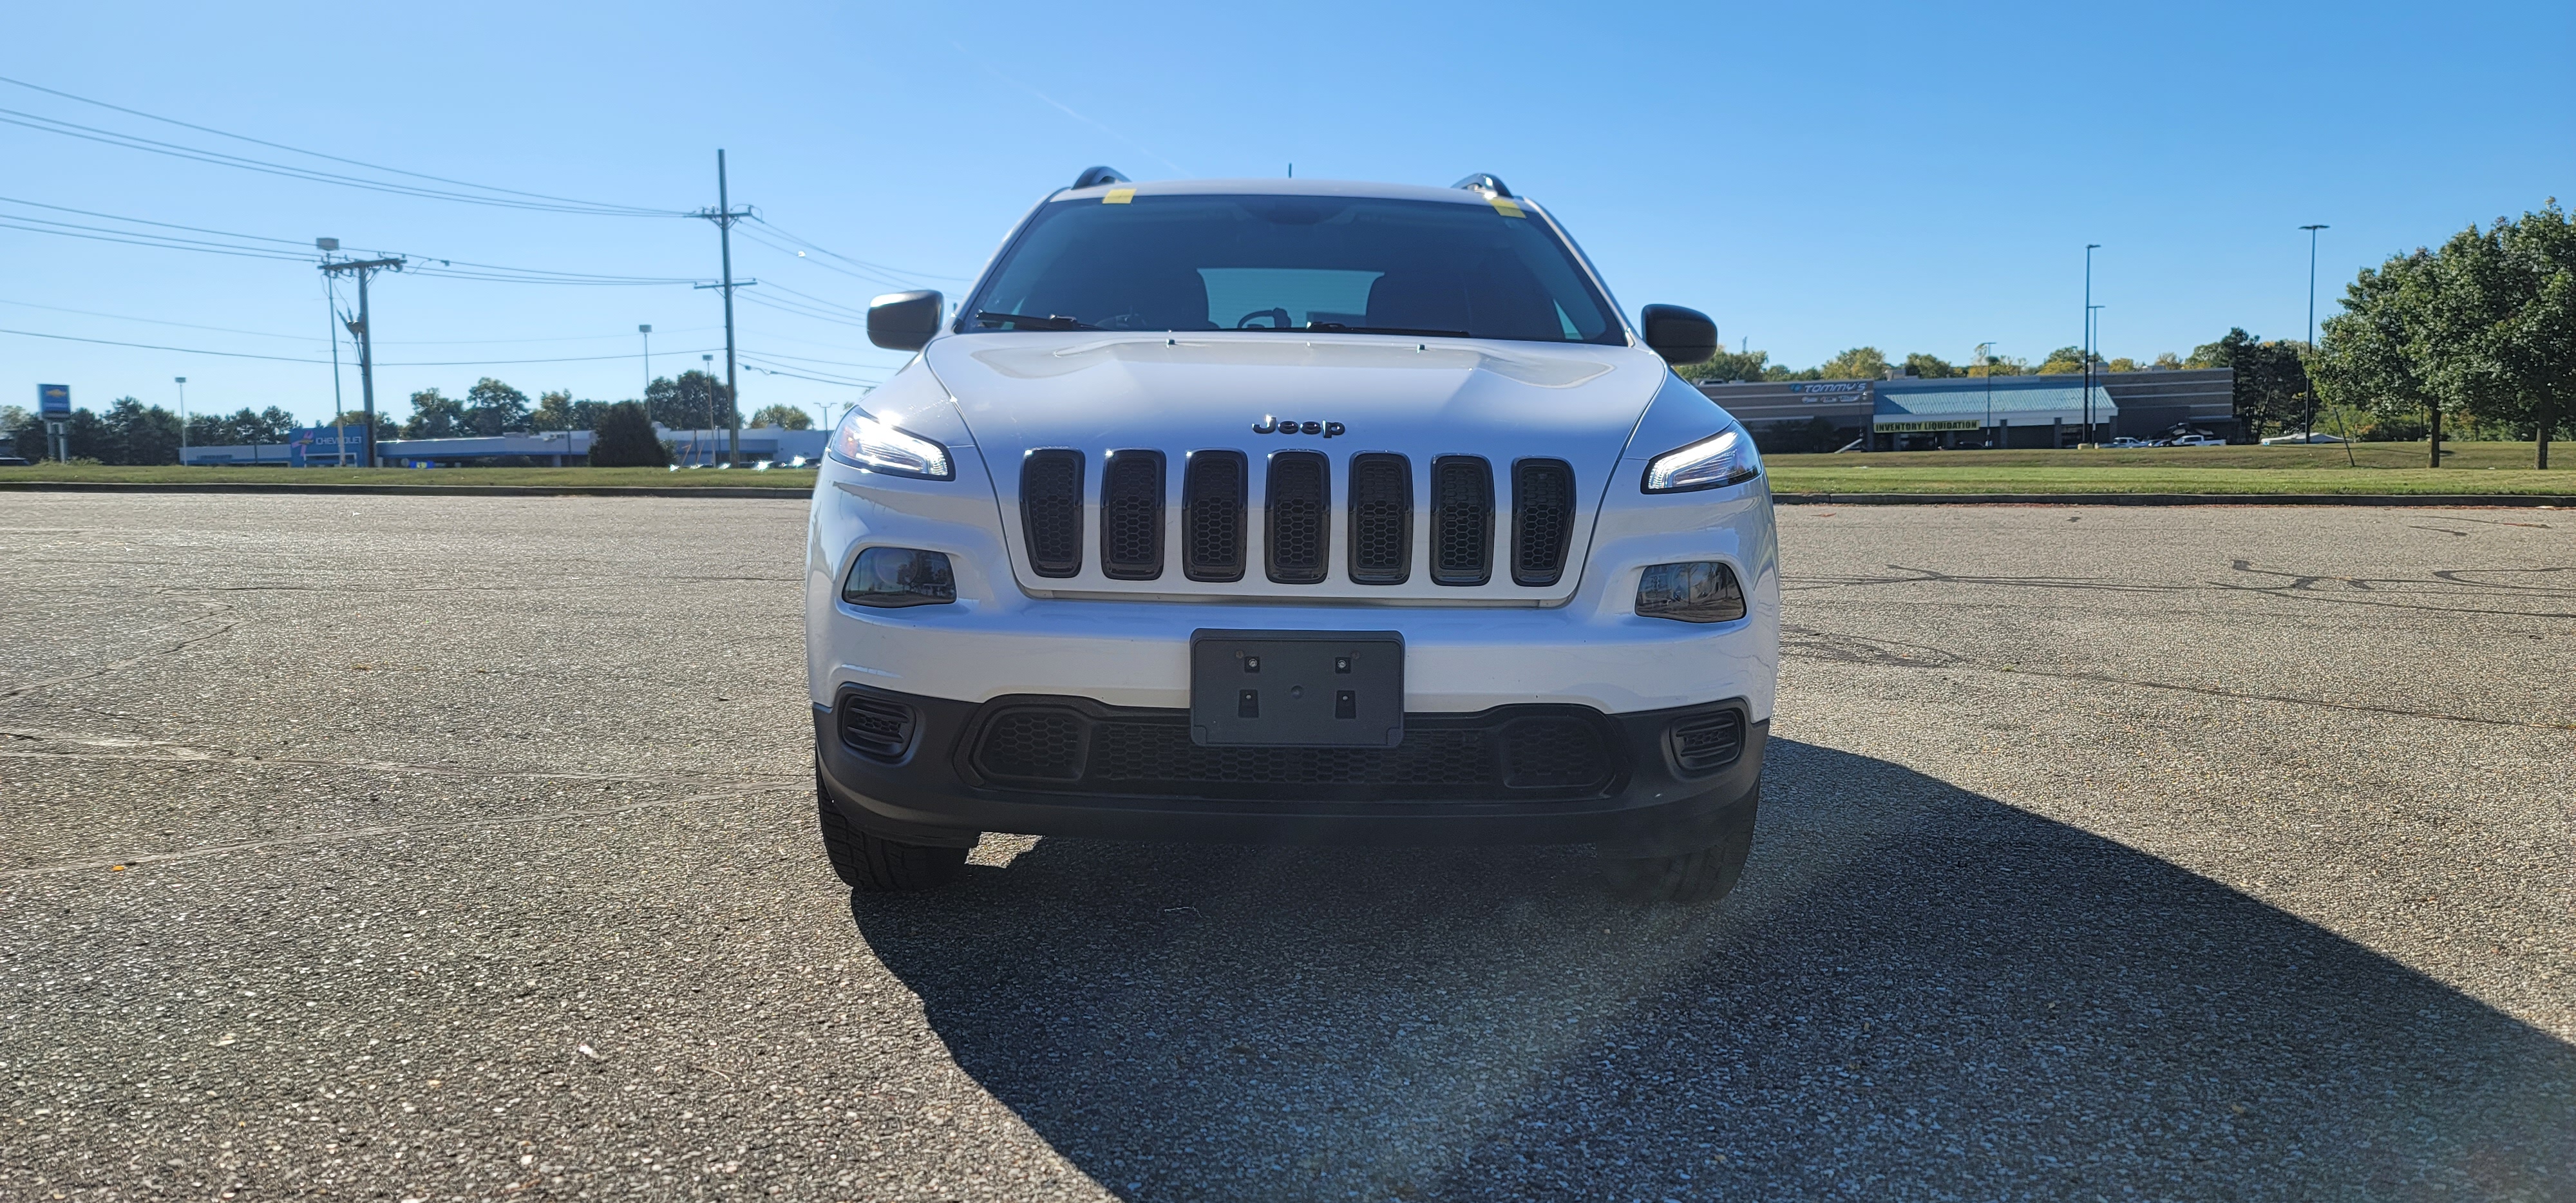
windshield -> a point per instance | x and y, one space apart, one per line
1361 265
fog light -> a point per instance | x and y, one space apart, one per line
893 577
1703 591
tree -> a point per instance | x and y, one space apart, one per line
138 434
434 416
625 439
2271 379
492 408
694 401
1859 363
1727 365
2001 365
553 411
2167 359
784 417
2374 357
2064 361
385 428
1930 367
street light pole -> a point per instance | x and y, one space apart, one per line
1986 360
2308 423
183 419
646 330
2089 248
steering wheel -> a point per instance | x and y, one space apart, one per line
1278 319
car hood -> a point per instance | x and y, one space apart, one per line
1181 393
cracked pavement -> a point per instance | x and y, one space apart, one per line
425 848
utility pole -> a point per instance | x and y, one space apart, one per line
647 331
363 268
724 215
183 419
2089 248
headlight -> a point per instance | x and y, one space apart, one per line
1706 464
894 577
864 442
1704 591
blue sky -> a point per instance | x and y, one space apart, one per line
1813 176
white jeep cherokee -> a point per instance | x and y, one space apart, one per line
1291 511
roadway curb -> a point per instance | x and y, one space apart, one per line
2422 500
118 486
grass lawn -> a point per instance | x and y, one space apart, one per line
2382 468
657 478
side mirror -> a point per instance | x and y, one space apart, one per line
904 321
1679 335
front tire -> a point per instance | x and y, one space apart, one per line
871 865
1704 875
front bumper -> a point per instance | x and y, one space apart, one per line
928 778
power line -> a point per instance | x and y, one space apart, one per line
415 342
441 363
820 250
524 200
460 269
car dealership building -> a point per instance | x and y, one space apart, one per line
1907 413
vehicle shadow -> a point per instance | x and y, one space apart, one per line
1917 992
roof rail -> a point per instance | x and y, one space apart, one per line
1093 177
1485 182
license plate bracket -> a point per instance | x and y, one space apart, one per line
1297 689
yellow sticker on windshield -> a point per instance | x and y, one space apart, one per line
1118 196
1504 206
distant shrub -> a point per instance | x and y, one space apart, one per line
625 439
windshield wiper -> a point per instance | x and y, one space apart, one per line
1340 328
1049 322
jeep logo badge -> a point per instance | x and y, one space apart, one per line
1271 425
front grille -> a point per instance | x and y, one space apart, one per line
1563 753
1300 500
876 727
1381 504
1462 520
1051 511
1708 742
1212 516
1542 519
1131 516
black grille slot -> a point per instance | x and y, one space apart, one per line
1051 511
1381 504
1212 516
1462 520
1301 504
875 727
1032 745
1542 519
1707 742
1131 516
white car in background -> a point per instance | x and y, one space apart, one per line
1291 511
2313 436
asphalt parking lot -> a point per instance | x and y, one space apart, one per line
420 848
